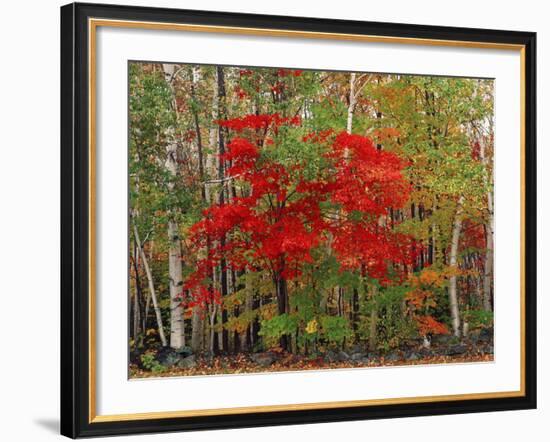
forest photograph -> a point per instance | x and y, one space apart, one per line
282 219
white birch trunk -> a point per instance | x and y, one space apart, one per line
465 329
177 329
148 298
177 325
197 328
489 229
352 102
151 288
213 311
453 295
136 295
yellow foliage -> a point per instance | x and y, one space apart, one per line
268 311
239 324
312 326
452 271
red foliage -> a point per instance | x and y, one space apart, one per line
242 154
188 136
203 296
256 122
289 72
476 150
366 246
278 87
241 93
473 236
245 73
365 184
368 180
318 137
282 219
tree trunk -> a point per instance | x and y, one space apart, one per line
255 326
196 319
246 343
354 314
177 325
435 230
352 102
213 311
373 322
177 328
236 312
282 305
453 295
145 318
488 267
489 229
196 330
137 295
151 288
148 298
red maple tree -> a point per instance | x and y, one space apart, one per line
283 213
365 183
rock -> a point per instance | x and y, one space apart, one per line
358 356
171 360
135 358
331 356
413 356
373 355
486 334
342 356
490 350
426 352
456 350
473 337
392 357
358 349
442 339
188 362
168 357
263 359
185 351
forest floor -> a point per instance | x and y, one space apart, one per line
198 365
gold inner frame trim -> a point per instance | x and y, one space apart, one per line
93 24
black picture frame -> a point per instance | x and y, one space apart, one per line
75 221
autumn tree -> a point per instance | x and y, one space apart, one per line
287 212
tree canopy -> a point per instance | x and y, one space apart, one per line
283 213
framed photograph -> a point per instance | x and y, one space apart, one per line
274 220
